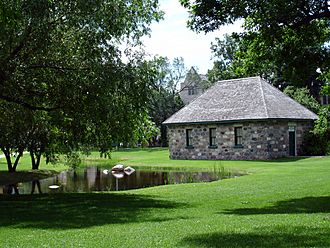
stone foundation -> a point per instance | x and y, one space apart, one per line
261 140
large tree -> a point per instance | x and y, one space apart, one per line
47 46
284 41
66 58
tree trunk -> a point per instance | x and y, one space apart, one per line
20 153
6 152
35 159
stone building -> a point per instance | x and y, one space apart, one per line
193 86
237 119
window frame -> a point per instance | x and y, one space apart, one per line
238 132
189 143
212 137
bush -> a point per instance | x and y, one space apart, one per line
316 145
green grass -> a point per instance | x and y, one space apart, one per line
283 203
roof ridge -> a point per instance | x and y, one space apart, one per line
235 79
291 99
263 97
241 99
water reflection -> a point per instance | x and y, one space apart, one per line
93 179
36 183
10 189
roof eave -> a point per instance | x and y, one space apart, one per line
233 121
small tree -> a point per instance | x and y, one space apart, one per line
165 99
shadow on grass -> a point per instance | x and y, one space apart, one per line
319 204
299 237
66 211
284 160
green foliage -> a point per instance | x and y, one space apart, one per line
73 160
283 41
228 64
303 96
145 130
321 131
326 90
323 123
280 55
15 126
316 142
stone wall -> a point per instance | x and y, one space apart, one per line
261 140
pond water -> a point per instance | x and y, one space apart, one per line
94 179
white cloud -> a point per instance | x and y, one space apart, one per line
171 37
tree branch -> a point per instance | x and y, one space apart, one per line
310 18
54 67
27 105
21 45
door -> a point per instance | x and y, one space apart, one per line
292 143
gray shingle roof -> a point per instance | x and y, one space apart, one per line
241 99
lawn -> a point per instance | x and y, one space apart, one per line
282 203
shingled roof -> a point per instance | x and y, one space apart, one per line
238 100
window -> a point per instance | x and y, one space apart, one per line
189 137
191 90
238 136
212 137
325 100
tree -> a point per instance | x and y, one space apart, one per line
303 96
278 38
165 99
64 58
228 65
48 45
322 126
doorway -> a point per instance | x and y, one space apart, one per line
292 141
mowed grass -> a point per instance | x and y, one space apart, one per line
283 203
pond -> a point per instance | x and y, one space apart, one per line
93 179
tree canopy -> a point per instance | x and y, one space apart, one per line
209 15
47 46
278 39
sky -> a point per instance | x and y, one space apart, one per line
171 38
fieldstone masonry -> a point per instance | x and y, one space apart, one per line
261 140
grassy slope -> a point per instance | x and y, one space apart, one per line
281 204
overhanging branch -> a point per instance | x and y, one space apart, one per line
27 105
55 67
317 16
